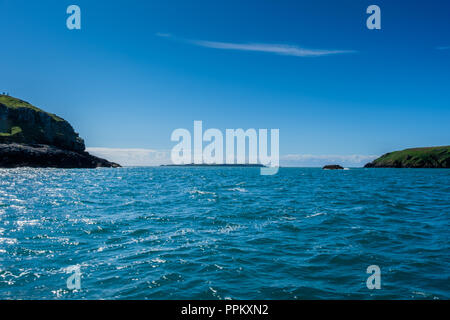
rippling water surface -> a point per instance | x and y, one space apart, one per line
224 233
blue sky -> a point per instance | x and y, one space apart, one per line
138 70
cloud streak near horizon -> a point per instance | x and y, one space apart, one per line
279 49
152 157
351 160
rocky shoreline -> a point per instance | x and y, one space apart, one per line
16 155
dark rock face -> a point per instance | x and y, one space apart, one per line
374 165
20 155
332 167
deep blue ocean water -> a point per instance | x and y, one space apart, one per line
224 233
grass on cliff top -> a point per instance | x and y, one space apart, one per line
14 131
415 154
15 103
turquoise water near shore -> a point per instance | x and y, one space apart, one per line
224 233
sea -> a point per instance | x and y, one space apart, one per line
224 233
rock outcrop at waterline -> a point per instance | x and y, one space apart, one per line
430 157
332 167
32 137
40 155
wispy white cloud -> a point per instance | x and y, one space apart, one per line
443 48
163 35
269 48
280 49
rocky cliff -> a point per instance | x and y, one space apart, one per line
22 122
32 137
431 157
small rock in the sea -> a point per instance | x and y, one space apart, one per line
332 167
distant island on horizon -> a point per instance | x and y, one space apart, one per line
255 165
32 137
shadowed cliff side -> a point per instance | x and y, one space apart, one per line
32 137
